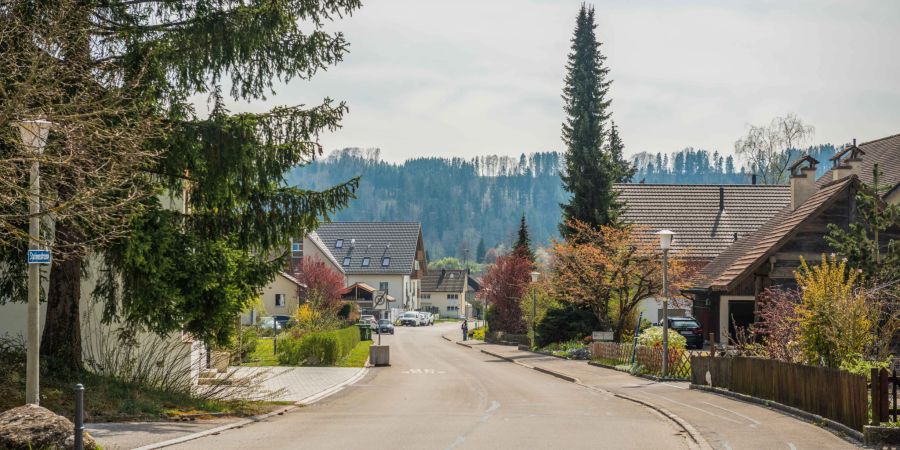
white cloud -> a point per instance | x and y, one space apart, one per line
471 77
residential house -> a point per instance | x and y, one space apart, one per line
706 219
445 292
365 297
281 297
389 256
728 288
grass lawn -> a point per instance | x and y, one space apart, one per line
357 356
447 320
264 354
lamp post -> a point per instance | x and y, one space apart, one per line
535 276
34 137
665 243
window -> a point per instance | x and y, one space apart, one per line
279 299
453 308
339 243
425 296
386 261
416 265
452 296
295 247
383 286
365 262
346 261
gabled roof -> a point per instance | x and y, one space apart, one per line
317 241
363 287
374 240
725 271
292 279
474 284
885 152
443 281
702 229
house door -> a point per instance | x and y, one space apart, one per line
740 315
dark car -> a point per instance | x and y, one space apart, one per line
385 326
689 328
282 321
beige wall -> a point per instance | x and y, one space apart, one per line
280 285
441 300
311 249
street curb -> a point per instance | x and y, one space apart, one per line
464 345
692 432
446 338
836 428
243 422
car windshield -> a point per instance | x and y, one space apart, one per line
684 324
384 322
410 315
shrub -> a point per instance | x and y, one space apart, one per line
566 323
653 337
249 338
324 348
478 334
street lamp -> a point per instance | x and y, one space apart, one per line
535 276
34 137
665 243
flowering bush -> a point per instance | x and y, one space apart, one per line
653 337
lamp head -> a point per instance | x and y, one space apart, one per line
34 133
535 276
665 239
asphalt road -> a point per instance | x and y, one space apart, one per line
437 395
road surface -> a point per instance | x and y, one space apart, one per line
437 395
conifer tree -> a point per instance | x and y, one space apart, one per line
522 248
590 171
623 170
479 253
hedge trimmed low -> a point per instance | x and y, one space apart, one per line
318 349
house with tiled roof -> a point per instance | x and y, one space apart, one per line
706 219
389 256
281 297
727 288
444 292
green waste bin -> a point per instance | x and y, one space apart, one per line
365 331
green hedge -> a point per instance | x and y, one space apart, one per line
318 349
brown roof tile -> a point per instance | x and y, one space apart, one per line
443 281
702 229
885 152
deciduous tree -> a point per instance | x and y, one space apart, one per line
502 288
770 148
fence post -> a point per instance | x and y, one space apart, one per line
712 344
884 408
873 394
79 417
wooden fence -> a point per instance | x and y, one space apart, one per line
647 360
835 394
884 395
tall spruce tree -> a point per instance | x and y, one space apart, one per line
522 247
623 171
480 252
195 269
590 171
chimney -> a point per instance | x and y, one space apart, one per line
850 164
803 180
721 198
753 179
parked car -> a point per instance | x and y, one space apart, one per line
410 318
369 319
268 321
430 318
423 320
385 326
689 328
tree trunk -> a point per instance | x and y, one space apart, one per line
62 328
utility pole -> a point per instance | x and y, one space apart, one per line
665 243
34 136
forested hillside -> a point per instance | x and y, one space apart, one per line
462 201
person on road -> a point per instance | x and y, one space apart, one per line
465 329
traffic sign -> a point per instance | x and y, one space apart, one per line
38 256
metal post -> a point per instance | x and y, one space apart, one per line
637 331
533 316
33 362
274 335
79 417
665 361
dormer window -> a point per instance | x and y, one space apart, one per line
386 261
365 261
339 243
347 261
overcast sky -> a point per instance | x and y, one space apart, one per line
464 78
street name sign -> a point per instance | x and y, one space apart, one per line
38 256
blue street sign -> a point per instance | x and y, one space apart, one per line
38 256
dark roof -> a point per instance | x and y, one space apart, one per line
374 240
702 229
885 152
474 284
443 281
723 272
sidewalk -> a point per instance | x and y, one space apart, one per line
301 385
724 423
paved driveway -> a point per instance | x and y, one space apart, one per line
296 383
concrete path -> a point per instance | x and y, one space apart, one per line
296 384
437 395
724 423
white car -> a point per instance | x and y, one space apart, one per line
410 318
423 319
430 318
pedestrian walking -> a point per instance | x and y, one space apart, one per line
465 329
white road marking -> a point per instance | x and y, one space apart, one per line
755 422
698 409
792 446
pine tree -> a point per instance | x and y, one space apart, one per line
194 271
623 171
522 247
479 253
590 172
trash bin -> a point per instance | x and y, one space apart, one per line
365 331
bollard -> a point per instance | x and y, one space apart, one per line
79 417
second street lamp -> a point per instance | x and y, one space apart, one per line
535 276
665 243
